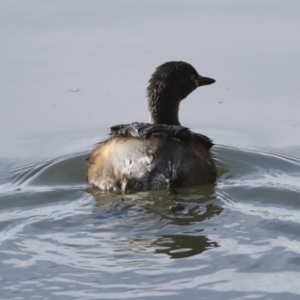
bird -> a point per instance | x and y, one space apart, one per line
161 154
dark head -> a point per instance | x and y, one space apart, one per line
169 84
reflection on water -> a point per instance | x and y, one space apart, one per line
185 232
53 224
179 246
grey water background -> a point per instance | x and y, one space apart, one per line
71 69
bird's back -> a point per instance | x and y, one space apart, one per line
141 156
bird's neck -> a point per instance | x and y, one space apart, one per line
163 108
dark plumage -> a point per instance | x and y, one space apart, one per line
141 156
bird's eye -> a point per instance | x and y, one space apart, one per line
193 78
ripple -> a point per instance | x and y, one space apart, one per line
235 166
257 168
65 171
80 238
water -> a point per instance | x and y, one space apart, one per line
237 239
72 69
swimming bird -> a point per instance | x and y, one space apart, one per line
160 154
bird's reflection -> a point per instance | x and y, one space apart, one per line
154 226
180 246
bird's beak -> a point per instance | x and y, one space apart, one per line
204 81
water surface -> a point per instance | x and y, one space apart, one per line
60 238
73 69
